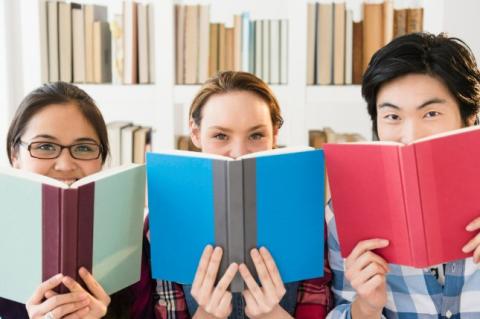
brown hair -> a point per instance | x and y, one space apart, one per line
56 93
230 81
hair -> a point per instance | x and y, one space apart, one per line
232 81
447 59
55 93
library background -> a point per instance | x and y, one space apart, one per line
143 61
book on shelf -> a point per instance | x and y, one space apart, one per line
78 43
238 204
92 14
128 143
343 36
102 52
204 48
419 196
96 223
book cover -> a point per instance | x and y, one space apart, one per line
203 42
348 46
414 20
399 22
324 45
419 196
191 43
357 51
53 46
102 52
284 51
130 43
92 13
259 48
143 44
65 40
43 19
311 20
274 51
49 227
213 51
237 42
179 44
339 43
372 30
238 205
78 42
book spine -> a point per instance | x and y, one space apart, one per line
68 234
50 231
250 211
235 227
220 210
413 206
86 202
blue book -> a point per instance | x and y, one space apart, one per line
273 199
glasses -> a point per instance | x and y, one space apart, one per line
48 150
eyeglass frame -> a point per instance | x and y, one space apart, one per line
69 147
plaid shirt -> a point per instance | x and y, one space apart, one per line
411 293
314 298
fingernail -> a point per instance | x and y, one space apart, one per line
469 227
464 249
385 242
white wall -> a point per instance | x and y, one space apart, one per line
460 20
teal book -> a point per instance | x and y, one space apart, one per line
48 227
273 199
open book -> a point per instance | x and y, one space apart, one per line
48 227
273 199
419 196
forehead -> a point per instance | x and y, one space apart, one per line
237 106
412 90
63 121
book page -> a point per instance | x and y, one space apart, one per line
277 151
32 176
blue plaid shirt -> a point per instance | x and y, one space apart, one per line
411 293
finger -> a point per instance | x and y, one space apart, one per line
69 308
472 244
365 259
251 306
262 272
272 269
372 270
367 245
225 306
222 285
48 284
476 255
212 270
50 294
93 285
72 285
61 299
202 268
252 285
78 314
474 225
371 285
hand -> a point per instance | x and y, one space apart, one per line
366 272
213 302
98 298
69 305
474 244
263 302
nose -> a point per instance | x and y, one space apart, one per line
65 162
238 149
411 132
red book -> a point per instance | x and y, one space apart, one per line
419 196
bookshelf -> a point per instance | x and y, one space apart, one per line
164 105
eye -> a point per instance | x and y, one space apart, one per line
85 148
257 136
432 114
392 117
220 137
46 147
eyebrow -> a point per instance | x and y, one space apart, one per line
50 137
253 128
423 105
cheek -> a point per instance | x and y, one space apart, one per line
90 167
